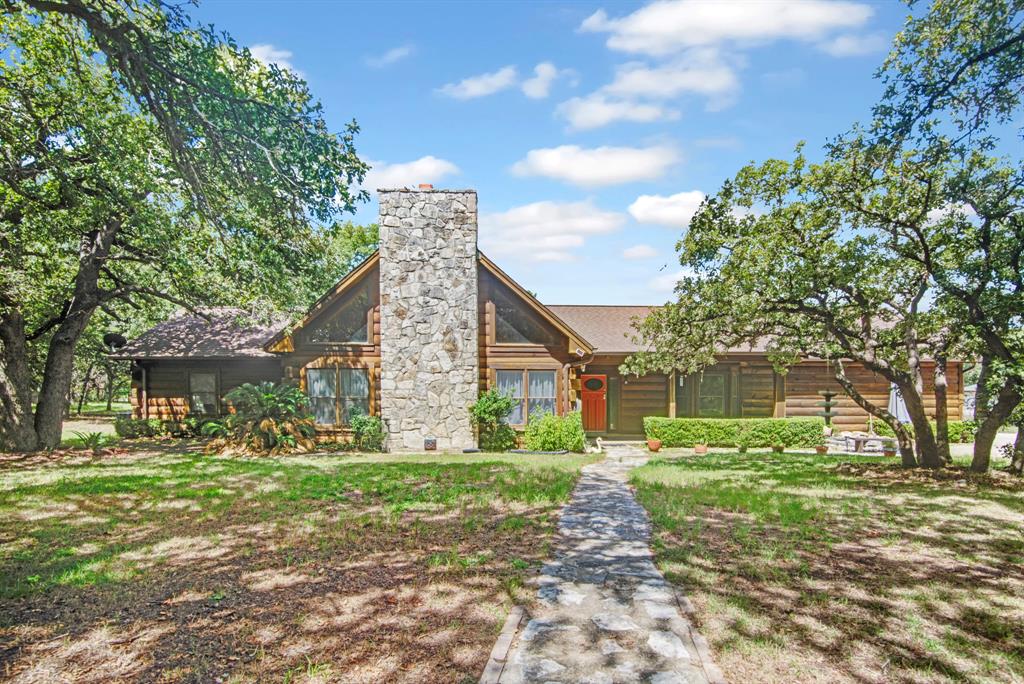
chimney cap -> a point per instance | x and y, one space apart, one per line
426 186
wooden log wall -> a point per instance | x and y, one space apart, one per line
167 382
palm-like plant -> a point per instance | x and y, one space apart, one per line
267 418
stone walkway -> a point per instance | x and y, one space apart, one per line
606 614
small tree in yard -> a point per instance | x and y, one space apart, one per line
489 415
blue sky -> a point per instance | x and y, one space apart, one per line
590 130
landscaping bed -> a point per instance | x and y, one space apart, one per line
809 568
175 566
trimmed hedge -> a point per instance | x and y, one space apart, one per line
959 430
730 432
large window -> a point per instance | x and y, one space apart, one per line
337 394
202 393
348 324
533 390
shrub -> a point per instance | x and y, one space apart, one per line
268 418
93 441
488 416
134 428
959 430
367 432
730 432
548 432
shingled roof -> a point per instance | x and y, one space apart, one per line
188 336
608 328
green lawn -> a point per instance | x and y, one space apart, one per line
809 568
178 566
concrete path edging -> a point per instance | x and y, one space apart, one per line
496 662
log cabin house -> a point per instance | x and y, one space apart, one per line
422 326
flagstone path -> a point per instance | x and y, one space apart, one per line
606 614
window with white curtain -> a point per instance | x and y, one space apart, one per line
533 390
337 394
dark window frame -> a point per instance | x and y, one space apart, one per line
343 402
192 394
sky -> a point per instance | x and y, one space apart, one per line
590 130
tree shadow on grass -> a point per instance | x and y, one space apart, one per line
880 581
205 570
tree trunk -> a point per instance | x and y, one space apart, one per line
16 385
924 438
903 437
942 410
981 393
111 385
60 357
85 388
1017 457
1006 401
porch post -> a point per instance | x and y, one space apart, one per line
780 396
672 394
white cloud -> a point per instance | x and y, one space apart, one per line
545 231
597 166
670 26
395 54
639 252
545 74
482 85
666 282
853 45
700 72
268 54
408 174
596 110
673 210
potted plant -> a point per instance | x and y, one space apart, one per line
778 448
654 444
821 448
700 448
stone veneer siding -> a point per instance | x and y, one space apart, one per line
428 317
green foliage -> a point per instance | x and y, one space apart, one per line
367 432
93 441
135 428
267 418
729 432
548 432
959 430
488 416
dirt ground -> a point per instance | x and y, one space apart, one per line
180 567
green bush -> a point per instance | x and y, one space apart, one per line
959 430
730 432
488 415
93 441
548 432
367 432
134 428
268 418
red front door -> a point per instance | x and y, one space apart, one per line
594 392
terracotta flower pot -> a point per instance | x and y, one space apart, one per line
889 453
821 449
700 449
654 444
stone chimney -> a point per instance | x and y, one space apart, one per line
430 365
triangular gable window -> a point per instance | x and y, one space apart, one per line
515 324
347 324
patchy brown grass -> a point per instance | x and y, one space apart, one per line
180 567
818 569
